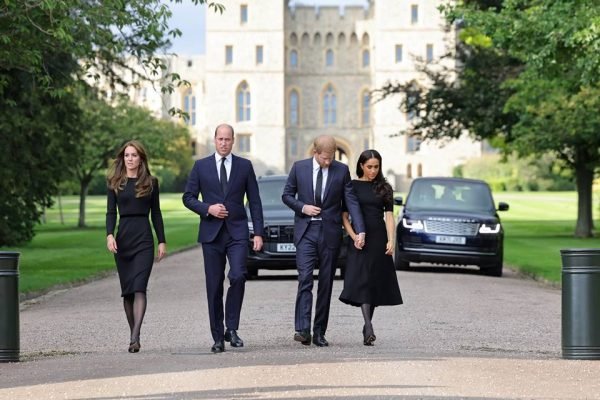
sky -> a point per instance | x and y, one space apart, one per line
191 21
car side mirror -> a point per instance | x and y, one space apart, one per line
502 206
398 200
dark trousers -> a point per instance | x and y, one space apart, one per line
215 255
310 252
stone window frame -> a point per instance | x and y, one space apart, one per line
329 105
289 107
243 102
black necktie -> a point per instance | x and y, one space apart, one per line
319 188
223 176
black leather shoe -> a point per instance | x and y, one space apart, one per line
368 336
218 347
319 340
302 337
232 337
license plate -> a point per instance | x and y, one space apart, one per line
451 239
286 247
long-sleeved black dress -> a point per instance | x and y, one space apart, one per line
370 273
135 244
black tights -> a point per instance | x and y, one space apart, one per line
135 309
367 312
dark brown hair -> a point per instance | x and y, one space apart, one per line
117 175
380 185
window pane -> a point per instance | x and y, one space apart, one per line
366 58
228 54
429 53
243 13
398 53
294 108
366 102
329 58
414 14
294 59
259 54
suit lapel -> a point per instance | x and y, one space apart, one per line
309 176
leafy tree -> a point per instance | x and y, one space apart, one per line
542 96
46 47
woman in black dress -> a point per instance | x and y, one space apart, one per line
134 192
370 279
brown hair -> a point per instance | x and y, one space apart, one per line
117 174
380 185
324 143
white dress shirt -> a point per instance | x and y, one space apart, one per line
228 160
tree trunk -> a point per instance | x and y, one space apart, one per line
584 178
83 191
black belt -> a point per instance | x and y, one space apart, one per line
133 215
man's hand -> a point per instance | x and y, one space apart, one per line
311 211
258 243
359 240
218 211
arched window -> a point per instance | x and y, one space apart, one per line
294 59
365 100
329 58
294 108
243 102
366 58
329 106
420 170
409 171
189 106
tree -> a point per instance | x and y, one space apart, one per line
106 128
543 95
46 48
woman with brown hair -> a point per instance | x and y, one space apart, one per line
133 191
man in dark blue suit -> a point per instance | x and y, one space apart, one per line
317 189
224 179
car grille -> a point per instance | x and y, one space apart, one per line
451 228
280 233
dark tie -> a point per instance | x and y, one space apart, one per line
223 176
319 188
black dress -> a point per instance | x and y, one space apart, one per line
135 244
370 273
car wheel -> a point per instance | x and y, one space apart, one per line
252 273
494 269
399 263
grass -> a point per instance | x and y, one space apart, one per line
537 226
63 254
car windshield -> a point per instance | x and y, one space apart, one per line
449 195
270 192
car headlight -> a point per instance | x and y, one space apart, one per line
412 224
489 228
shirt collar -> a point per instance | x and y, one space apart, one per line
218 157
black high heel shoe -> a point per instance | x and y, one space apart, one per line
134 346
368 336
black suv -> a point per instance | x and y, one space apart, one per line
450 221
278 252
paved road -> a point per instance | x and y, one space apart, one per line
458 335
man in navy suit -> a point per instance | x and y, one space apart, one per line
317 190
224 179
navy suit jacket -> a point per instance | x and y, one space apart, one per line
204 180
338 191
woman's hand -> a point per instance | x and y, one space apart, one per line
111 244
162 251
389 248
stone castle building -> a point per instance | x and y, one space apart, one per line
285 71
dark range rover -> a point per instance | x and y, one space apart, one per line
450 221
279 252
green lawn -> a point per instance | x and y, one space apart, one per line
63 254
537 226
